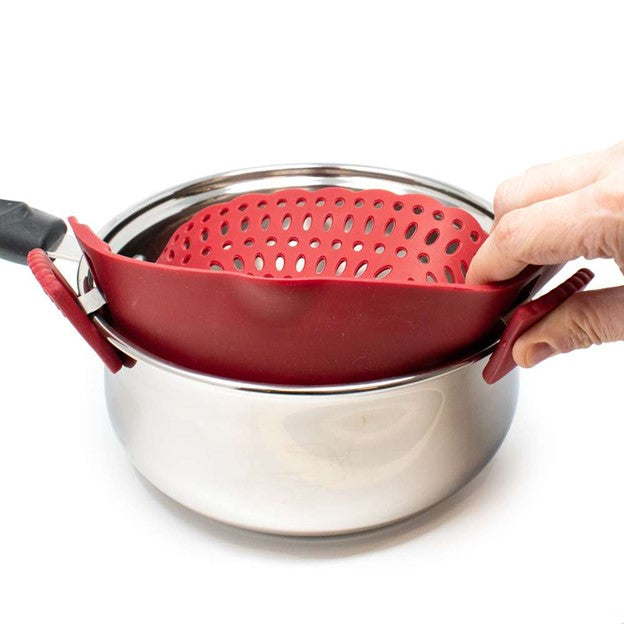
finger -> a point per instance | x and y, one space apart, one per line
587 318
588 222
548 180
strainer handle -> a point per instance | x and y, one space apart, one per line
525 316
66 300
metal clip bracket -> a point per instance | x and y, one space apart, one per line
92 301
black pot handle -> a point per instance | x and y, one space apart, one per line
23 229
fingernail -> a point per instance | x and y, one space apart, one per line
539 352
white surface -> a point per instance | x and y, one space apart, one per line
101 107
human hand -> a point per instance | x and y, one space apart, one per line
549 215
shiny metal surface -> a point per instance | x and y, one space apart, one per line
91 301
67 249
299 460
309 464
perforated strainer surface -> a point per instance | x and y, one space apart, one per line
364 285
330 233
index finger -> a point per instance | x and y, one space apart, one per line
547 181
548 232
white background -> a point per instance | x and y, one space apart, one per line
103 105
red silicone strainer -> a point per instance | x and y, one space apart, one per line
366 285
330 234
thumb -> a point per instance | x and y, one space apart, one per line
586 318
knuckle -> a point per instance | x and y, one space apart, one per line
617 150
584 324
609 193
606 226
536 169
506 231
614 239
578 337
503 196
602 237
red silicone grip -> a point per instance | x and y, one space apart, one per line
63 296
501 362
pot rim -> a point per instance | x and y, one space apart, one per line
332 171
225 178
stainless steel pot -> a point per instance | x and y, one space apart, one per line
308 461
304 461
298 460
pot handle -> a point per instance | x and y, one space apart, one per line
23 228
66 300
524 317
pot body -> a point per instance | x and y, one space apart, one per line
298 460
317 463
